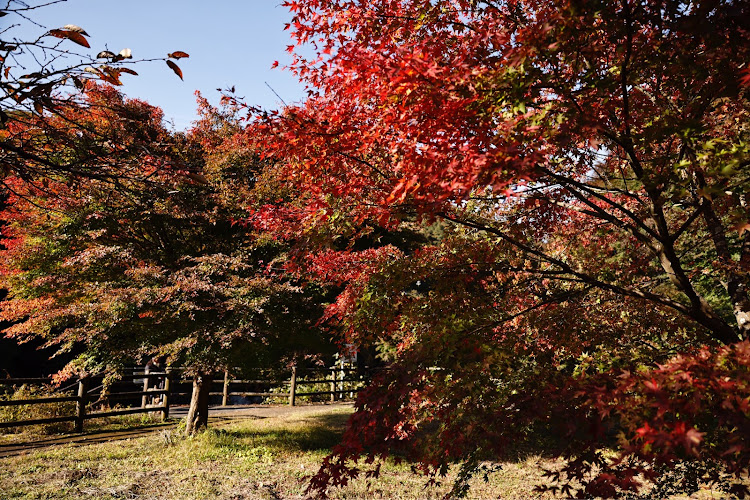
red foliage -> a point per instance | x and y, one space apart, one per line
586 150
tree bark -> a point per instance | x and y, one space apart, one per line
734 282
197 418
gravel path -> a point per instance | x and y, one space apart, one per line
217 416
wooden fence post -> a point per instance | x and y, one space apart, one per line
144 399
333 385
104 397
225 391
340 384
168 389
293 386
83 387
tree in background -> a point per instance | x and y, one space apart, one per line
46 90
136 269
590 159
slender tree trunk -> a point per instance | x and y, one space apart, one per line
197 417
734 282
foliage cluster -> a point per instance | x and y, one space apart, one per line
41 79
587 162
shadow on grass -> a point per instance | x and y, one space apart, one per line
310 434
321 432
90 437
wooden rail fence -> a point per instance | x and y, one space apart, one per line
164 386
84 397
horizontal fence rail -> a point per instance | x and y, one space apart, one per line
92 399
86 398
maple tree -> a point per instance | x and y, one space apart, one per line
125 273
590 159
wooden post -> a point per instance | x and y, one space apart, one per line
342 376
104 397
225 392
168 389
144 399
333 384
293 386
83 387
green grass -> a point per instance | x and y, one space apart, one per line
253 458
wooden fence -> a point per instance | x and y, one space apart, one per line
340 382
86 399
93 400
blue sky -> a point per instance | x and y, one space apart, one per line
229 42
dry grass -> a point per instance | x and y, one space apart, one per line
64 429
250 459
254 458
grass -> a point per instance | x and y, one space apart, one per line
261 458
65 429
252 458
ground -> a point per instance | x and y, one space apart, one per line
248 453
20 444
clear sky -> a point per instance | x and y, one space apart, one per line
230 43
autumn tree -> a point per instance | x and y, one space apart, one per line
123 273
591 161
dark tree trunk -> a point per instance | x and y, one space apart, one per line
197 417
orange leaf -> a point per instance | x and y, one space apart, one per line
111 79
175 68
128 71
178 54
71 35
110 75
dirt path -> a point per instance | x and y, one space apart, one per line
218 416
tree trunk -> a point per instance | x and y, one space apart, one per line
197 417
734 282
